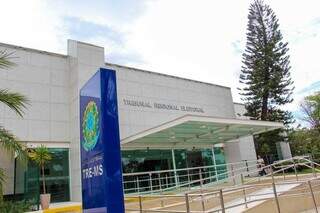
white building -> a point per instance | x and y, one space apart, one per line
149 104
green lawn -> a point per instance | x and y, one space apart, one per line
303 171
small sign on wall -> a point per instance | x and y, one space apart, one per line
101 172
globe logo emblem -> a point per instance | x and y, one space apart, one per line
90 126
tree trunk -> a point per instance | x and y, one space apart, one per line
264 110
43 180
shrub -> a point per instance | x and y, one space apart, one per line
15 207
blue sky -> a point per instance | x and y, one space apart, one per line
198 39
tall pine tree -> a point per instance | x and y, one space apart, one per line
265 74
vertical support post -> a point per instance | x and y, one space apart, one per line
242 179
174 168
284 176
150 181
244 192
247 167
232 174
167 183
221 201
160 188
159 179
215 164
138 185
312 195
140 204
200 178
275 191
295 169
202 204
245 198
189 179
187 203
313 169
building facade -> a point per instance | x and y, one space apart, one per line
145 100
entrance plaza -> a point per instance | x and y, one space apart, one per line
282 189
175 133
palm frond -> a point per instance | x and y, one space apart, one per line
14 101
2 176
2 181
40 155
5 59
9 142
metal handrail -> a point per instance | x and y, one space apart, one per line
203 196
150 183
185 169
220 171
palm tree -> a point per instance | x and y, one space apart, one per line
17 103
41 156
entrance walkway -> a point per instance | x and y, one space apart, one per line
261 194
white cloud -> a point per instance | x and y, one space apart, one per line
191 40
198 39
29 23
195 39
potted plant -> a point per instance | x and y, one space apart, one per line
41 156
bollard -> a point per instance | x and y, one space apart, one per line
313 198
275 191
187 203
221 201
140 204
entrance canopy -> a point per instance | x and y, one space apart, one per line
197 131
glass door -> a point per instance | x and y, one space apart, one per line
194 159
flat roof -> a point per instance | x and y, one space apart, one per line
197 131
33 50
106 63
166 75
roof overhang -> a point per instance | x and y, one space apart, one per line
197 131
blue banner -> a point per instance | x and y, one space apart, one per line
101 172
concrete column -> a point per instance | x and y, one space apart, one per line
214 163
176 179
84 61
285 150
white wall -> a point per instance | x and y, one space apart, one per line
43 78
52 82
246 144
285 150
137 85
242 149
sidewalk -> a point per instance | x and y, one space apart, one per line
61 207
